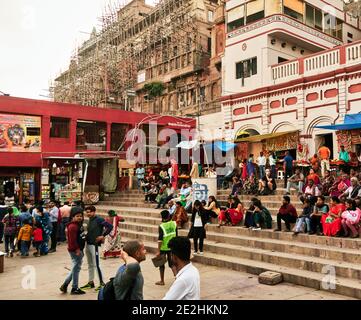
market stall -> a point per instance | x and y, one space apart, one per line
348 135
62 179
278 142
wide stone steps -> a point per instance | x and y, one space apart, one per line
318 280
342 243
113 205
222 198
308 249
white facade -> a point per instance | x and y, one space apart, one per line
318 82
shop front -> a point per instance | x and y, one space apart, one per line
348 134
62 179
278 142
18 185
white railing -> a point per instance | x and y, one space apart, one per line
285 70
322 61
353 53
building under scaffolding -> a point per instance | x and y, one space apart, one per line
149 59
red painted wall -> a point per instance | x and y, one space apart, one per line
67 147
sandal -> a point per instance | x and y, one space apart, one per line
160 283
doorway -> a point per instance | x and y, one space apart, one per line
324 139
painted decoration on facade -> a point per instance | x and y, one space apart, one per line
347 138
242 151
286 142
239 111
20 133
200 192
331 93
354 88
312 96
291 101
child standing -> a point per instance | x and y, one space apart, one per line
37 239
10 228
24 236
304 217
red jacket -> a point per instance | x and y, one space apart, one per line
288 209
73 236
38 235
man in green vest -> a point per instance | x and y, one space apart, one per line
167 231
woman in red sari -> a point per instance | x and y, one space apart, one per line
233 215
331 222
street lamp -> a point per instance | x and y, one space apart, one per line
353 7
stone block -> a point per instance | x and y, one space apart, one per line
270 278
2 255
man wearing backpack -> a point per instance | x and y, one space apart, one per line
167 231
128 282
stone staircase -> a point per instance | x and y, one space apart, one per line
303 259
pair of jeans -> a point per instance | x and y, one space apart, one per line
302 220
92 256
273 172
44 244
296 185
288 174
74 273
64 222
287 218
25 248
9 242
54 236
262 171
316 223
1 231
325 165
198 235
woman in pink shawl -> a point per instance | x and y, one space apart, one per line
174 178
340 186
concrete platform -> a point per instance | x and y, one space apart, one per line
216 283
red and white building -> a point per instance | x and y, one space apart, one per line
290 65
46 143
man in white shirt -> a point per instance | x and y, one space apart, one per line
261 161
187 283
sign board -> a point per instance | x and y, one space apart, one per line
131 93
203 188
44 176
124 164
20 133
141 76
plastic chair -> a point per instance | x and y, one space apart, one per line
280 174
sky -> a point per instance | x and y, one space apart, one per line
37 39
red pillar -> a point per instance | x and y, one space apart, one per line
109 136
342 55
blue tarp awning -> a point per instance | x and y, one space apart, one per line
221 145
352 121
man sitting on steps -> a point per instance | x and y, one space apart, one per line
287 213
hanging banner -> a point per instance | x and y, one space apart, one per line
285 142
20 133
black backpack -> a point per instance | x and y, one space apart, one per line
108 292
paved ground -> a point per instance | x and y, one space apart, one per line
216 283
